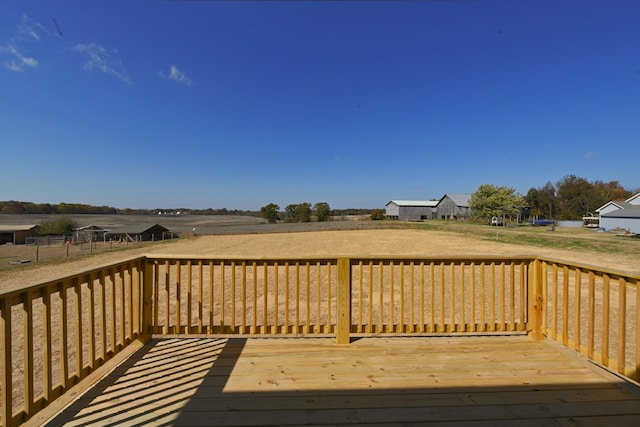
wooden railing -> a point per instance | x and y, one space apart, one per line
595 312
310 296
58 333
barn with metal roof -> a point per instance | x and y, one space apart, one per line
454 206
411 210
17 234
450 206
140 232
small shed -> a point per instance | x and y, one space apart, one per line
17 234
140 232
411 210
90 233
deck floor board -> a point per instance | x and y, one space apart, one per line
473 381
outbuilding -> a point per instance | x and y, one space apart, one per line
140 232
17 234
90 233
411 210
454 206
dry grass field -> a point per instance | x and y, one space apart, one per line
599 249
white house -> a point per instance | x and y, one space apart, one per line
624 215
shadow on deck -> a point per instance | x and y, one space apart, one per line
498 380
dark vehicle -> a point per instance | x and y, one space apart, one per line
543 222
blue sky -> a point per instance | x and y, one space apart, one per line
202 104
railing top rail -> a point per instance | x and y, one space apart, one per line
156 257
329 259
614 274
353 258
445 259
36 286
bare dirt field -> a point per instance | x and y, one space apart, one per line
415 242
429 240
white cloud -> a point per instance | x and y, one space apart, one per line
31 29
18 61
28 30
176 75
101 59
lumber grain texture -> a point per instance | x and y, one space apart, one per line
426 381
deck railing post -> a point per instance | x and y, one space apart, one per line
536 300
147 295
6 365
343 327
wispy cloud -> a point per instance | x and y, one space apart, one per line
176 75
589 154
101 59
31 29
28 31
17 61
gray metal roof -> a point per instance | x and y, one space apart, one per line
459 199
633 212
620 205
12 228
423 203
136 228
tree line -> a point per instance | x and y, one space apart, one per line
570 198
297 212
17 207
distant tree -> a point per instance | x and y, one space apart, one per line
378 214
609 191
290 212
575 197
488 201
12 207
270 212
542 201
60 226
322 211
303 212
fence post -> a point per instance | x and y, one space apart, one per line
146 267
536 300
343 325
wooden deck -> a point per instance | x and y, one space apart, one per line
500 380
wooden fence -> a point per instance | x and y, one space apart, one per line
58 333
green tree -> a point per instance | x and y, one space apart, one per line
60 226
378 214
608 191
303 212
270 212
322 211
575 197
489 201
542 201
290 212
